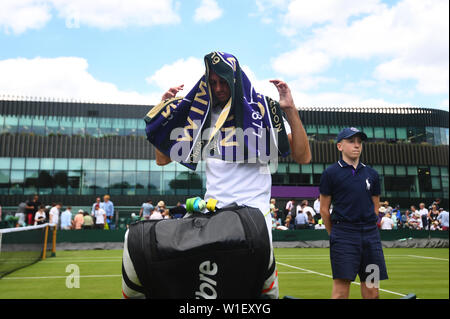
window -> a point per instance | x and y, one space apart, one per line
416 134
334 130
167 178
323 129
105 127
102 165
155 183
78 126
412 170
131 126
88 164
92 126
311 129
116 164
388 170
17 181
142 183
400 170
436 183
88 186
294 168
401 133
52 125
61 164
129 183
18 163
318 168
307 169
75 164
45 182
390 133
144 165
130 165
5 162
73 182
25 124
101 181
47 164
11 123
61 182
434 170
282 168
368 131
65 126
118 127
424 179
379 169
398 183
115 183
379 132
4 181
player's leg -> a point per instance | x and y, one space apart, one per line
373 266
369 292
270 287
131 286
341 289
345 256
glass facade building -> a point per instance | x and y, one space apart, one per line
73 152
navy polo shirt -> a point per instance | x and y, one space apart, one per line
351 192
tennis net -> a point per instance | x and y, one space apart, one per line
21 247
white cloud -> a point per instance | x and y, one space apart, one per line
301 14
63 77
430 79
20 15
17 16
301 61
107 14
409 41
183 71
208 11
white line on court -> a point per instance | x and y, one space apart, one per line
424 257
87 257
58 277
293 272
329 276
74 261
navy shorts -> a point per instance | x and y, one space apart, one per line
353 248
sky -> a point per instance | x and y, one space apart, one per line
332 53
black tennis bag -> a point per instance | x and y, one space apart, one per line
221 255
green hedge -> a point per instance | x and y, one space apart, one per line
86 236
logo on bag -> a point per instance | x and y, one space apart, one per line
207 288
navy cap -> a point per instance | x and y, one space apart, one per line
349 132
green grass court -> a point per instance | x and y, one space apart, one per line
303 273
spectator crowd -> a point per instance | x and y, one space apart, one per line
299 215
304 216
100 216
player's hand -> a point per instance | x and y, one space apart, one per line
286 100
172 92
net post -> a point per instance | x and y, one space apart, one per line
44 252
54 242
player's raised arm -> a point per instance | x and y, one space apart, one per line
298 139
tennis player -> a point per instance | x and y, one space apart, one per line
355 246
236 182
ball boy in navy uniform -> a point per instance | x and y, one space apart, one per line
355 246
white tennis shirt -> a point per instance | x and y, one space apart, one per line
243 183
